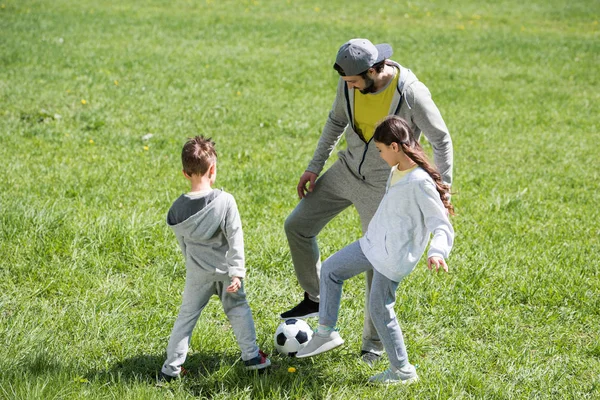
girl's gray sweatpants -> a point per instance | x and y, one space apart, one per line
343 265
337 189
196 295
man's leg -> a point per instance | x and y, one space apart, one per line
308 219
366 204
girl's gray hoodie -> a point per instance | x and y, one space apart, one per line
209 232
412 102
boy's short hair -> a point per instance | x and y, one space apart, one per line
198 155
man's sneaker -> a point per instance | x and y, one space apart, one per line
307 308
261 361
320 343
369 358
392 376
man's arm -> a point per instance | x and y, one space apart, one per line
428 118
332 131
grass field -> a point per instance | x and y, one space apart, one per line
91 276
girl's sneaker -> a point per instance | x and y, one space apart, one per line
261 361
320 343
393 376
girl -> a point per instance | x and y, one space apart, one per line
416 204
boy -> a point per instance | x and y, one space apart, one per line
208 228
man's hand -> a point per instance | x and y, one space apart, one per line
307 177
236 284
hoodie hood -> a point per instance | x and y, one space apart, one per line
205 215
209 232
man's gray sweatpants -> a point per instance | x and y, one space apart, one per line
343 265
196 295
335 190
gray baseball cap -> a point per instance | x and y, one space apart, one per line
358 55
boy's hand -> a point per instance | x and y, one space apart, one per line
236 284
438 262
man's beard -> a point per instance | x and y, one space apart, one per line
369 86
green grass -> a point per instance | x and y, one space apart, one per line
91 277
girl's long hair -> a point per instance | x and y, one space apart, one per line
395 129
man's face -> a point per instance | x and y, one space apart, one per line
365 85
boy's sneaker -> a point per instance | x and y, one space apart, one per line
307 308
261 361
369 358
168 378
320 343
392 376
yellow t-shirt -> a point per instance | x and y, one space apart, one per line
371 108
397 175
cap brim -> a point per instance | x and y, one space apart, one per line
384 51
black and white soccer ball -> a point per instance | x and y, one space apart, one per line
291 336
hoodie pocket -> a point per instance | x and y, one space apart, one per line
396 240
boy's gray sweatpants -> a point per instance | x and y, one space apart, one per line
343 265
335 190
196 295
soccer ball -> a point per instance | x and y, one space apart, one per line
292 335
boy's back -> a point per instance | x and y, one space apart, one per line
209 231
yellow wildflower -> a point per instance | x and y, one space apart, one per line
83 102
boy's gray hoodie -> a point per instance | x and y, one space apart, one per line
412 102
209 232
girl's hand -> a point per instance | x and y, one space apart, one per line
438 262
236 284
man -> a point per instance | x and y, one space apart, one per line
370 87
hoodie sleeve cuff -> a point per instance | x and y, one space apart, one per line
239 272
436 254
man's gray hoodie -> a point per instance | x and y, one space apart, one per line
412 102
209 232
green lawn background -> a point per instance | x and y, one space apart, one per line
91 278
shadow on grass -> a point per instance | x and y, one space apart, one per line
146 367
41 363
210 373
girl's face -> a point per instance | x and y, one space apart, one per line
391 154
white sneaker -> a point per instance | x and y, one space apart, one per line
392 376
320 344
